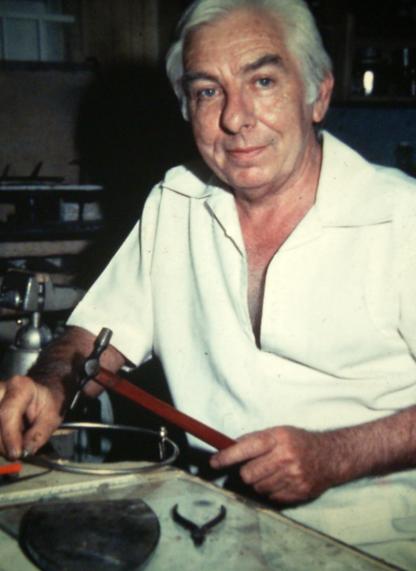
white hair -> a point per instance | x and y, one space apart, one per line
302 39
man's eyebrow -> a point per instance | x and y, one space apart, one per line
269 59
191 76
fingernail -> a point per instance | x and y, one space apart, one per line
28 451
214 462
14 454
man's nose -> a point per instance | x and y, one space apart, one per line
238 112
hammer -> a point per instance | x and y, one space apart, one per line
91 370
91 366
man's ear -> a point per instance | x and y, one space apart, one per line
320 107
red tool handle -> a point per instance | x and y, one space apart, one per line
10 469
205 433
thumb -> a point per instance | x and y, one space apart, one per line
17 396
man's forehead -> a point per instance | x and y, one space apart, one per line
249 38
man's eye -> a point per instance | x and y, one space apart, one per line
264 82
207 93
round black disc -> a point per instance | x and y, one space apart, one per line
101 535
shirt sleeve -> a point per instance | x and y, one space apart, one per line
121 298
406 276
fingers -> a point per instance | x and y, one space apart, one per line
283 489
17 395
24 402
45 414
283 463
285 482
39 433
260 468
10 445
247 447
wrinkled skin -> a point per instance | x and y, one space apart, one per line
291 465
30 411
24 403
286 464
246 102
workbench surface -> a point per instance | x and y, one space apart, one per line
250 538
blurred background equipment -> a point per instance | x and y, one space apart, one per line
24 297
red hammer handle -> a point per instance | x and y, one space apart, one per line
205 433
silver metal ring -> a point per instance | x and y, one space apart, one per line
77 468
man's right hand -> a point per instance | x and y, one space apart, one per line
29 414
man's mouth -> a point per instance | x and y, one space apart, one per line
245 153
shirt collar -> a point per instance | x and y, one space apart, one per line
194 179
197 181
349 191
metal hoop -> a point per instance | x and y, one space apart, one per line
68 466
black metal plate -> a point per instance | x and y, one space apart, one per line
101 535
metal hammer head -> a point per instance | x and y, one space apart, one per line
91 366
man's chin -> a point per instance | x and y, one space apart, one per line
247 183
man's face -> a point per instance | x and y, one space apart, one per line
246 102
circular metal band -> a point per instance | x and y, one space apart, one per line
77 468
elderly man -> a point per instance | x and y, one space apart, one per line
275 282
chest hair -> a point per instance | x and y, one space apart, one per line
262 239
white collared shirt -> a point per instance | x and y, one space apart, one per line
339 315
338 332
